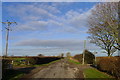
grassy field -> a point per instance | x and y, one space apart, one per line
72 61
93 73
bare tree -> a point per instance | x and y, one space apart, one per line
103 26
105 17
102 39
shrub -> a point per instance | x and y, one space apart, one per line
110 65
89 57
104 62
40 55
6 63
78 57
31 61
117 68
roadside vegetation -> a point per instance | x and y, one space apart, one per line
72 61
89 57
12 74
93 73
108 65
104 29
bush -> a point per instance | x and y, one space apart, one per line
117 67
110 65
106 64
31 61
89 57
78 57
6 63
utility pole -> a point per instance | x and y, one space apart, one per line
7 34
84 52
95 55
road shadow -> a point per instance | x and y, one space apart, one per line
25 70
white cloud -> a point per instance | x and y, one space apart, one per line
72 44
49 43
77 19
61 4
43 17
33 26
54 47
49 8
32 12
40 26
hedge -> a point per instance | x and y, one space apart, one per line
89 57
6 63
110 65
78 57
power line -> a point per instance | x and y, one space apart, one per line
7 34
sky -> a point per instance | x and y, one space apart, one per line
48 28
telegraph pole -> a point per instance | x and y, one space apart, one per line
84 52
7 34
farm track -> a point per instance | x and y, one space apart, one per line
62 69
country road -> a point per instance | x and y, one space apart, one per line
59 69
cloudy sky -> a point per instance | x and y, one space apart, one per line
47 28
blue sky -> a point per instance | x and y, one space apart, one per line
47 28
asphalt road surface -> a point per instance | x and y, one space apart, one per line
60 69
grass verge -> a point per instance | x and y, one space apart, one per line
72 61
93 73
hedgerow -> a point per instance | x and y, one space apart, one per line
110 65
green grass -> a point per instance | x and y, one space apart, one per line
16 59
93 73
19 59
72 61
51 62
